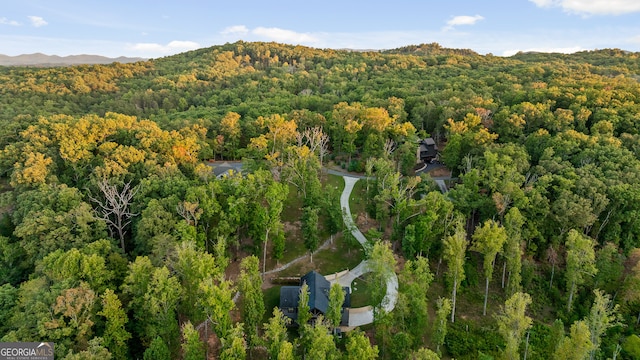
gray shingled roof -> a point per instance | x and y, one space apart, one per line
318 291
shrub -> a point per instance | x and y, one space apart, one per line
631 347
465 340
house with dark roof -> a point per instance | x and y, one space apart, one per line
319 288
427 150
226 168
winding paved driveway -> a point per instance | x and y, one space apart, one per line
363 315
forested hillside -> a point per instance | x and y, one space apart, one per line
118 241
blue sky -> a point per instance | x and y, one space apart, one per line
158 28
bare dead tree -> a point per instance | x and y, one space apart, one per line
114 209
300 138
189 211
389 146
468 163
323 150
317 141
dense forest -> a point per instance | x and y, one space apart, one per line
117 240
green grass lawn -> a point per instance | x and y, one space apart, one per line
357 200
271 300
361 292
291 213
293 249
292 205
333 180
339 257
335 258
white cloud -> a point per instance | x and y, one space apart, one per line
173 47
562 50
592 7
37 21
5 21
284 36
543 3
462 20
235 30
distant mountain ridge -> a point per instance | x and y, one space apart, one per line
39 59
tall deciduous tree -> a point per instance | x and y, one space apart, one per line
351 129
161 300
581 260
158 350
192 347
275 332
216 300
135 286
72 317
609 262
443 309
455 248
304 314
115 335
234 346
631 286
95 351
424 354
286 351
336 300
577 345
250 285
267 196
382 264
8 302
231 130
412 305
52 218
513 323
603 315
359 347
281 133
321 345
302 169
488 240
513 223
310 229
192 266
